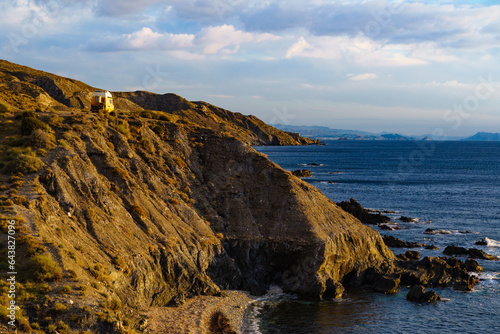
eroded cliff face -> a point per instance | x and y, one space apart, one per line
193 212
148 208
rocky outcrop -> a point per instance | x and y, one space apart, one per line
417 294
473 253
302 173
391 241
438 272
364 215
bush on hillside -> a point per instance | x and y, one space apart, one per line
40 139
3 108
43 269
30 124
22 163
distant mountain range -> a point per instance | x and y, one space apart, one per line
484 136
326 133
323 132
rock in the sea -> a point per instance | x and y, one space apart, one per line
454 250
387 284
480 254
417 294
482 242
364 215
437 271
472 265
406 219
302 173
395 242
471 252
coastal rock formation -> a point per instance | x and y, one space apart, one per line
391 241
417 294
150 207
364 215
473 253
438 272
302 173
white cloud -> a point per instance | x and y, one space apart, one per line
144 39
216 39
365 76
450 83
298 47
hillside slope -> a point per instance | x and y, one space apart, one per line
119 212
22 87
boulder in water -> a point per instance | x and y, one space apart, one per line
417 294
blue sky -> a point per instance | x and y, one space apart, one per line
412 67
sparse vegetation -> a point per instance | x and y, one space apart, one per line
56 120
219 324
44 269
147 145
41 139
3 108
138 211
66 289
30 123
20 160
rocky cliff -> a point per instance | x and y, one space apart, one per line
155 203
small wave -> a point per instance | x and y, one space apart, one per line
489 276
488 242
251 319
312 165
252 316
433 231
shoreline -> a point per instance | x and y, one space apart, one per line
194 315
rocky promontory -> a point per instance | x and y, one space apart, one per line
148 207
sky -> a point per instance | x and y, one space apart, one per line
411 67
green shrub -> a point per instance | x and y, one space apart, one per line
62 327
66 289
22 163
3 109
56 120
60 308
159 130
123 128
30 124
44 269
114 304
40 139
147 145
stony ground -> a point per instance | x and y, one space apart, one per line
194 315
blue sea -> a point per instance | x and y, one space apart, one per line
452 187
